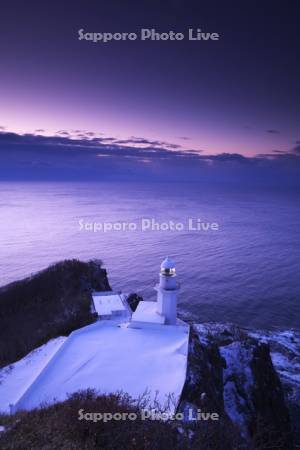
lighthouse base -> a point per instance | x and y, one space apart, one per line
146 313
167 303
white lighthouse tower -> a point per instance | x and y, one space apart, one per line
167 289
164 310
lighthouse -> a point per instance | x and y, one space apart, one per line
163 311
167 289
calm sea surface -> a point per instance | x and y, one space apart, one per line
246 272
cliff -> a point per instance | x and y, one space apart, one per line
231 372
51 303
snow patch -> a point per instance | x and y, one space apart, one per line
17 377
109 358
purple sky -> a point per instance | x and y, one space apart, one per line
237 95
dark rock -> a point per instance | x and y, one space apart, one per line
133 301
271 421
285 354
231 373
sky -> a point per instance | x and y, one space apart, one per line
238 95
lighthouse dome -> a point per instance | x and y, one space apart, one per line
167 266
167 263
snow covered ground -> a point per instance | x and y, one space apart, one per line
107 357
17 377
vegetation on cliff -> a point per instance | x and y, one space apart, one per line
58 427
51 303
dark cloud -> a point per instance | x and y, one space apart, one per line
232 157
297 148
64 141
184 138
7 138
33 156
63 133
143 141
273 131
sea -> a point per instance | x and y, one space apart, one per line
237 252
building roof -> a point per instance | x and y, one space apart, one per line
146 312
106 303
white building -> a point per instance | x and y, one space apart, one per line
110 305
164 310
